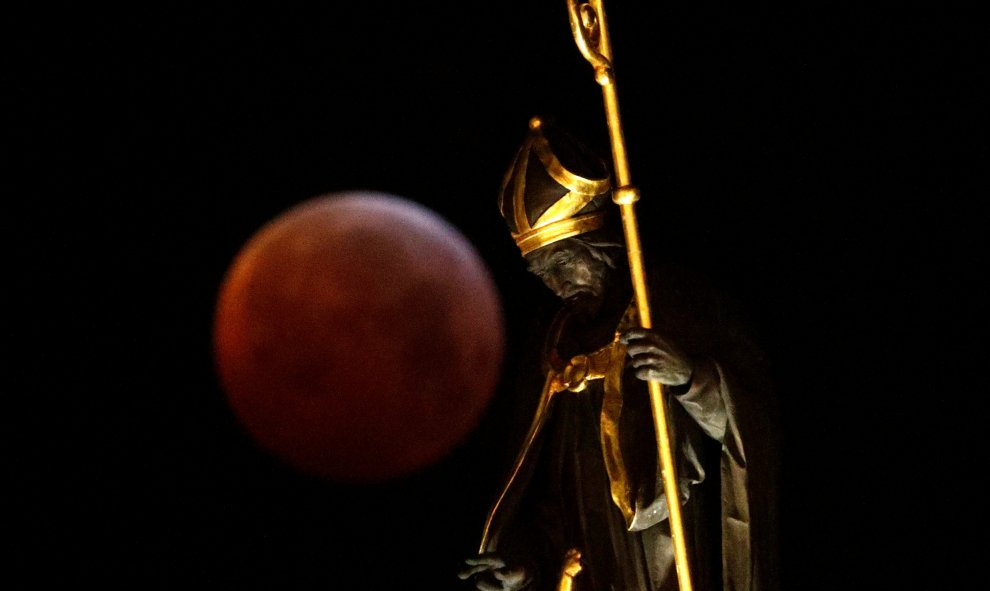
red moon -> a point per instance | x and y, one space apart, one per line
358 336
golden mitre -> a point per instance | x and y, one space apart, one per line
554 189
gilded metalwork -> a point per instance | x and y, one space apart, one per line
539 418
606 363
530 241
582 189
618 476
590 29
563 218
625 195
571 568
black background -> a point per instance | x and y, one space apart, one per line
821 164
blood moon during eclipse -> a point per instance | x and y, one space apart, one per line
358 336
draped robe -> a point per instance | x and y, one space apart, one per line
587 478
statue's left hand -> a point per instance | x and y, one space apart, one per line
491 573
656 358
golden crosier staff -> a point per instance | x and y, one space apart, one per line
591 35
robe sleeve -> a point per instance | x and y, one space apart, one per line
704 399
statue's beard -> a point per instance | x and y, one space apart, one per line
578 296
572 292
583 302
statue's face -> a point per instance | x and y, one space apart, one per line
569 269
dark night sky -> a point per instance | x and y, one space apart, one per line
817 163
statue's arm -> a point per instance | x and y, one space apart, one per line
695 382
